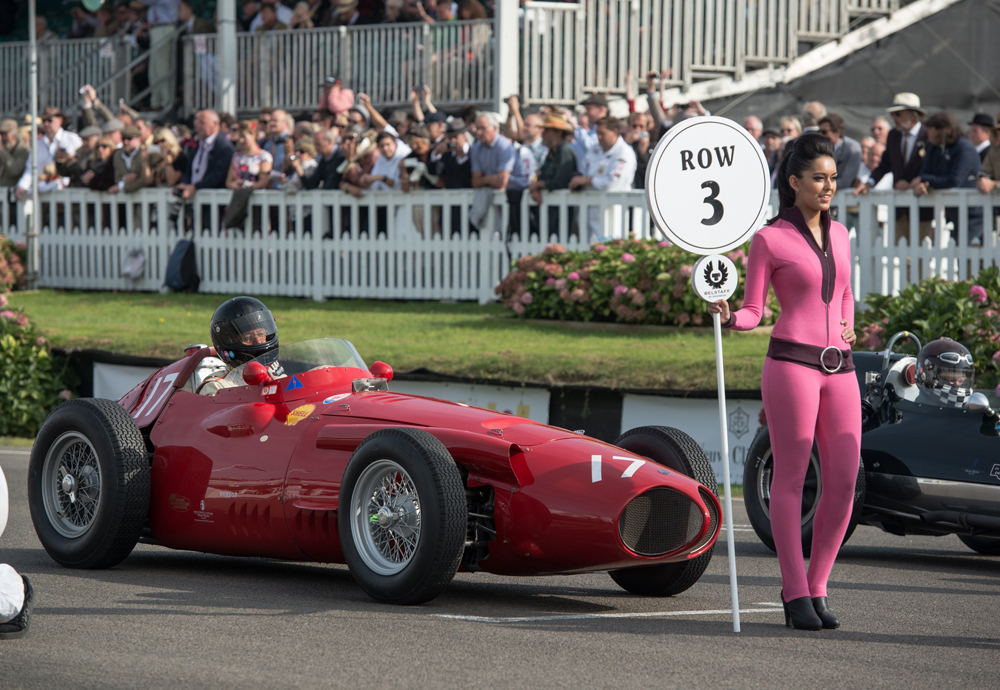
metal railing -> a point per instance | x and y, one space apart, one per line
392 245
284 69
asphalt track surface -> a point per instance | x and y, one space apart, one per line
916 612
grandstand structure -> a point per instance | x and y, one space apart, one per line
548 52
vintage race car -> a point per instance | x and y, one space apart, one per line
927 467
311 457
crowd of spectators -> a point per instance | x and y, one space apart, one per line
348 145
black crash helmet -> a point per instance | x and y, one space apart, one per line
944 362
243 329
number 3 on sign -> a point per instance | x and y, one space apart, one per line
713 199
595 467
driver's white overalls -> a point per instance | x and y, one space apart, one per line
11 584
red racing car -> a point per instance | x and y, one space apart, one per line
324 463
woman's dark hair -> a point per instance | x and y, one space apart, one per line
800 154
945 123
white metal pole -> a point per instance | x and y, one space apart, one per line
32 234
506 58
727 506
225 51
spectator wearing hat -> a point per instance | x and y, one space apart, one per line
113 130
129 163
584 140
846 151
770 141
951 162
455 166
282 14
610 167
100 173
334 96
76 165
560 165
436 124
979 133
305 155
55 139
13 153
905 151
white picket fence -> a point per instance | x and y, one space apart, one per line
392 245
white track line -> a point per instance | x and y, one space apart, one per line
12 451
588 616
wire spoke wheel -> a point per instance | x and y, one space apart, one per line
385 510
71 484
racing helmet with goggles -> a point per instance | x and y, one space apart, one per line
243 329
946 366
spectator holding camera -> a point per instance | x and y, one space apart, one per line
55 139
100 173
305 156
129 163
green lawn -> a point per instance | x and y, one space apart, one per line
462 339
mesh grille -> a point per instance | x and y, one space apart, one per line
659 521
713 519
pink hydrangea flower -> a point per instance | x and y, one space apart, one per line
683 318
8 314
39 341
600 248
573 275
526 298
3 300
663 243
561 284
22 320
620 290
550 281
66 394
518 308
686 270
627 258
638 299
996 356
977 293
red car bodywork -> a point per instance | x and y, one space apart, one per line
256 471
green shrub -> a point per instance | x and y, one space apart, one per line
629 281
12 258
967 311
32 381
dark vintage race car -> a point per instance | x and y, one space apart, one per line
926 468
323 463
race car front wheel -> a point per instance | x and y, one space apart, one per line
674 449
88 484
757 476
403 518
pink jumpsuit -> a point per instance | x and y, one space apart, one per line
813 287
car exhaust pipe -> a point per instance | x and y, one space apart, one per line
967 520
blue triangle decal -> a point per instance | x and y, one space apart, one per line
293 384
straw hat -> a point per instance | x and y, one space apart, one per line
906 101
557 121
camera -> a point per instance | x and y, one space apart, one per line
153 148
452 145
178 192
643 135
293 157
410 163
83 90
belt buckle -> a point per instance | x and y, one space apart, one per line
822 364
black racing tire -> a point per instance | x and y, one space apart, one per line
757 476
988 546
377 533
677 451
88 484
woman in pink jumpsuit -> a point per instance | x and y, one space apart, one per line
808 385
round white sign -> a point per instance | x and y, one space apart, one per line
708 185
714 277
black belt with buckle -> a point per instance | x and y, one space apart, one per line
829 360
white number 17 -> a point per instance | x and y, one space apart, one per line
595 466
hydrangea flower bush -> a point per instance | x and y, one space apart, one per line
625 281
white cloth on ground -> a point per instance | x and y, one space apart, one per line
11 593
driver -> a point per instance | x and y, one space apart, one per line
242 330
945 374
16 594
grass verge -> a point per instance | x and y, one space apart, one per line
16 442
461 339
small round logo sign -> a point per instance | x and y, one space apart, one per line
708 185
714 277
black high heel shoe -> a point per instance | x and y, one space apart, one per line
824 613
800 614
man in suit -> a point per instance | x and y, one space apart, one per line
905 150
193 24
979 134
846 151
208 162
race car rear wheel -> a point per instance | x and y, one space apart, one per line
988 546
676 450
403 522
88 484
757 476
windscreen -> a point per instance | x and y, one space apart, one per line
304 356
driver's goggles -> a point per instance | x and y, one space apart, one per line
955 358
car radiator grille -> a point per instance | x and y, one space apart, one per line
659 521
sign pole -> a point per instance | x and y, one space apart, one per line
727 506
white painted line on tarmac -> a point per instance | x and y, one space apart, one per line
13 451
589 616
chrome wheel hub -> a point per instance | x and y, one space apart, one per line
71 484
385 517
